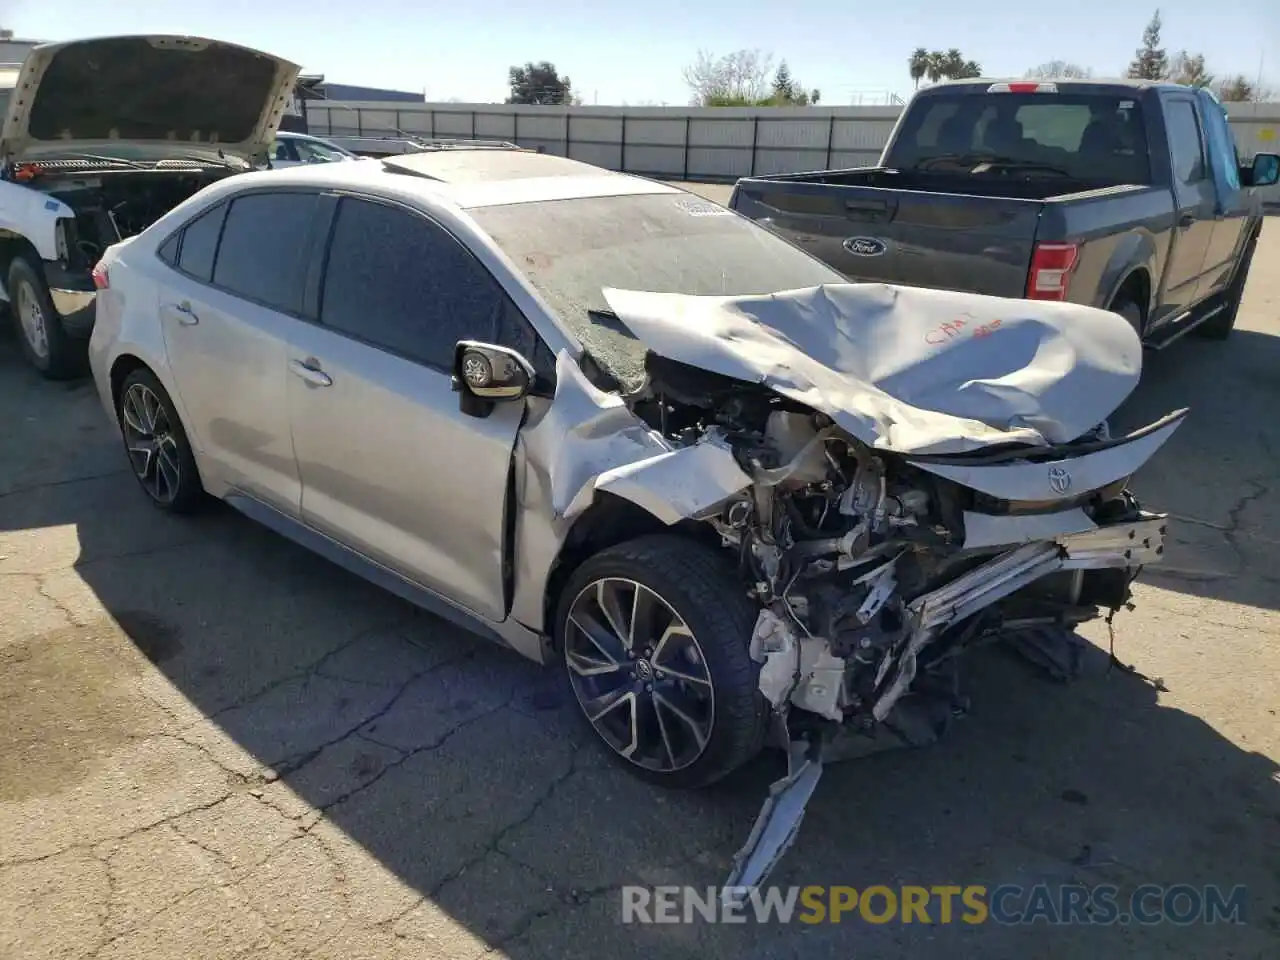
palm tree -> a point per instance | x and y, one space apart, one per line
937 66
918 64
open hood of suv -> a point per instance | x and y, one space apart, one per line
168 95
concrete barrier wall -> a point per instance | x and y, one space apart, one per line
689 143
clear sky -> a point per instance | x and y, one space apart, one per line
618 51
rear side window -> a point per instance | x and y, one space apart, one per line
200 243
1184 141
398 281
264 244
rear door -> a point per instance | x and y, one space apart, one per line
1194 198
389 464
226 310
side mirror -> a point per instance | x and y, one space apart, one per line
485 374
1266 169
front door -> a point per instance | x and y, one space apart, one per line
389 464
226 306
1194 215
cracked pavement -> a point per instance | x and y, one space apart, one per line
214 744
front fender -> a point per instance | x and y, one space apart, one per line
585 442
32 215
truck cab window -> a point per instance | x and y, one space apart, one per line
1186 148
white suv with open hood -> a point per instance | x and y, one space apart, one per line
103 137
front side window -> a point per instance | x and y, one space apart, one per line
261 256
399 282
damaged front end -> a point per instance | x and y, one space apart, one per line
873 570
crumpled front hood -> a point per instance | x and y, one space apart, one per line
902 368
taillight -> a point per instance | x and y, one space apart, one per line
1023 86
1051 266
100 279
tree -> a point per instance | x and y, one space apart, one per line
1150 61
1189 70
741 79
1240 89
1059 70
735 79
937 64
539 83
783 87
918 65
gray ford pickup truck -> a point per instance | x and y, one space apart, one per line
1125 195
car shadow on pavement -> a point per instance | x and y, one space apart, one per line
1219 475
362 778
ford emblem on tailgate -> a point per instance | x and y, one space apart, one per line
864 246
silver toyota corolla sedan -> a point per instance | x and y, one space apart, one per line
608 423
295 343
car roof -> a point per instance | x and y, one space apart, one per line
466 178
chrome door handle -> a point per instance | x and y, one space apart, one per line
186 316
312 374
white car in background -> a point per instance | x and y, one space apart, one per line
102 138
292 149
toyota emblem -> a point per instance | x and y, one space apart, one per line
1059 480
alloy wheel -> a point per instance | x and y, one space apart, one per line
639 674
31 316
149 439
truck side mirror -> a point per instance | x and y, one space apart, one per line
485 374
1266 170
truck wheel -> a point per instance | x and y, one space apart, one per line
1220 327
1131 312
44 342
654 635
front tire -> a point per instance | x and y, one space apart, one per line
156 444
45 343
653 635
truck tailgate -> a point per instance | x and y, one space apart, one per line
944 240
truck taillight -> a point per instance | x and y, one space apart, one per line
100 279
1023 86
1051 266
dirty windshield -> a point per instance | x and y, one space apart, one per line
1090 138
664 243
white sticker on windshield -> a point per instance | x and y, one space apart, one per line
1126 104
703 208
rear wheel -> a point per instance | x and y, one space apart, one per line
1219 327
1131 312
156 444
45 343
654 635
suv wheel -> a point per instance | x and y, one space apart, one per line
156 444
654 637
44 343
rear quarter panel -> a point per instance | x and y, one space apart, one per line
1120 229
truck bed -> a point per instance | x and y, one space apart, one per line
970 234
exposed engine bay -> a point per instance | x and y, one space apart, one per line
113 206
867 590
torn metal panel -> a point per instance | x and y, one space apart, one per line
906 369
584 441
777 824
